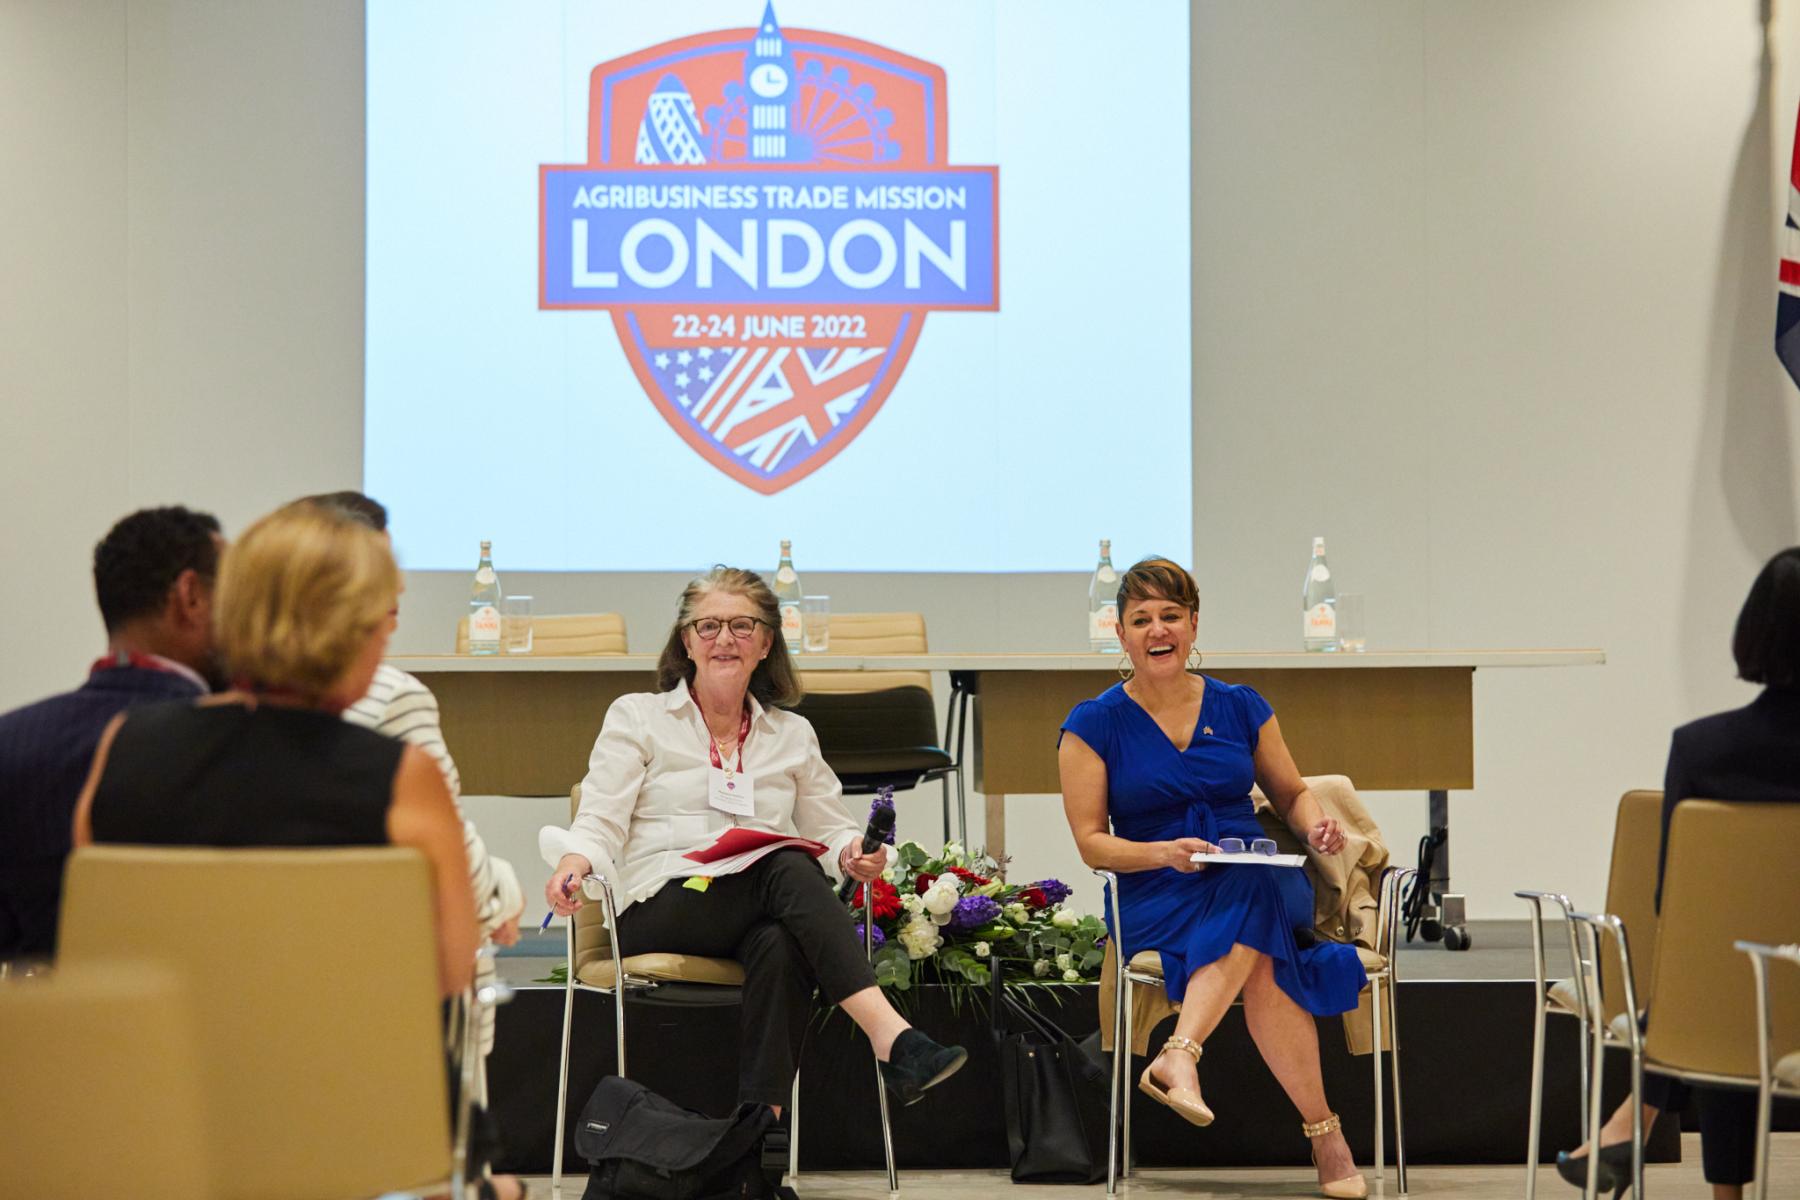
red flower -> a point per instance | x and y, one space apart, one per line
1033 897
969 877
926 879
887 900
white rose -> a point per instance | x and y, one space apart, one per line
982 950
1017 913
941 897
913 903
1071 976
1040 968
1064 919
953 850
1064 962
889 874
920 937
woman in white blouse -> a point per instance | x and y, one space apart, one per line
674 770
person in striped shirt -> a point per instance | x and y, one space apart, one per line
399 705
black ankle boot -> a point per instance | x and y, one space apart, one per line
916 1063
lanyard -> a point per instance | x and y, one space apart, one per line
712 743
147 662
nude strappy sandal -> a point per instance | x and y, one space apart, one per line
1185 1101
1350 1187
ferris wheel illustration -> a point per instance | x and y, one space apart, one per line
829 120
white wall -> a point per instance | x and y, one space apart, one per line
1483 293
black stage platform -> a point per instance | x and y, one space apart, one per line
1465 1071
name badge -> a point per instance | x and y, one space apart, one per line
733 794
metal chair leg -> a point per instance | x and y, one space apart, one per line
1377 1032
562 1076
881 1096
1597 1050
1393 1029
794 1130
1125 986
1533 1135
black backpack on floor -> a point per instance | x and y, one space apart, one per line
643 1147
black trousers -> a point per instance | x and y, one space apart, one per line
1727 1124
784 923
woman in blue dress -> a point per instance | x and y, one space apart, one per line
1167 758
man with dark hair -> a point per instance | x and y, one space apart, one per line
153 577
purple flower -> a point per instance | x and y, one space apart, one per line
884 799
972 912
1055 890
880 937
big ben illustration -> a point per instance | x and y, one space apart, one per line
769 79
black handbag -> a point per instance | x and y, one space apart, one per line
1055 1097
643 1147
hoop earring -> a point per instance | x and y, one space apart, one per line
1193 658
1126 670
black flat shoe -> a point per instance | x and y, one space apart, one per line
917 1063
1615 1168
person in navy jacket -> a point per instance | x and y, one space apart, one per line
153 577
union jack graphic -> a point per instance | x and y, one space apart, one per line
771 407
1787 303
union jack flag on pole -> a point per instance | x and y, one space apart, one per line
1787 308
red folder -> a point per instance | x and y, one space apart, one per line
736 841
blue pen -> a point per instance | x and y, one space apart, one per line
568 890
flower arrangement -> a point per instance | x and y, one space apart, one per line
941 917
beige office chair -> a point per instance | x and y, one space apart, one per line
1122 979
877 728
597 963
1777 1041
323 1055
570 635
1729 878
1630 905
101 1093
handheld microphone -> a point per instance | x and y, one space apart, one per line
881 824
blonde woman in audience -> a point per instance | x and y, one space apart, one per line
304 606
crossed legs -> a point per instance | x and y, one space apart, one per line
1284 1033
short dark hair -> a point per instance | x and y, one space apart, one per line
139 559
369 512
1766 642
1158 578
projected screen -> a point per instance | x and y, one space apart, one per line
651 286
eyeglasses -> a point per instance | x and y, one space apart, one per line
1233 845
709 628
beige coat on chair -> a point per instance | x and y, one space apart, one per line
1346 891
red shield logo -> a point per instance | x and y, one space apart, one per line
769 216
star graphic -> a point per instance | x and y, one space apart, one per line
684 358
682 399
705 374
705 353
681 380
662 362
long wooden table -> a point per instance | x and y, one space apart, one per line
1391 721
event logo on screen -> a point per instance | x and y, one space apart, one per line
768 215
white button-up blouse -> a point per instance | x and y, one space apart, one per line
644 800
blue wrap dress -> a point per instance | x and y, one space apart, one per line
1156 793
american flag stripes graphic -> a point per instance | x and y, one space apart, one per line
769 406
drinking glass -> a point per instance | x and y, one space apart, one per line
1351 634
815 623
515 624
